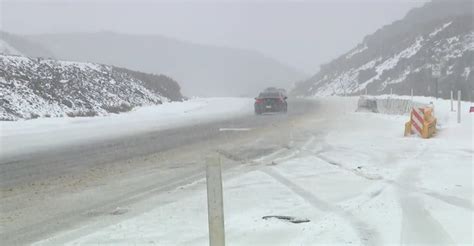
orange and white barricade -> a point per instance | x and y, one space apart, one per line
422 122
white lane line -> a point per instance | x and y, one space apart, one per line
234 129
271 155
293 154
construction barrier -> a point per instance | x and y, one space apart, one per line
422 122
386 105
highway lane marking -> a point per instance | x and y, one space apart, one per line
234 129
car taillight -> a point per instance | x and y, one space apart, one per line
258 100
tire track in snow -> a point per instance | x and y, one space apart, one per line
452 200
354 171
418 226
367 235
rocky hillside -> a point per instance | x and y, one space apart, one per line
403 55
33 87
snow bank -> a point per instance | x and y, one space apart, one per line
44 133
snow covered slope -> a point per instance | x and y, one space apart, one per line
6 48
402 56
11 44
31 88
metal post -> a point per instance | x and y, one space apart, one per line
452 106
366 91
412 94
215 203
391 91
459 106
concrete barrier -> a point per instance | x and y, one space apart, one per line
386 105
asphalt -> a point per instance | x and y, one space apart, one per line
32 167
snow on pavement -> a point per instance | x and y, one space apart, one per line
361 183
46 133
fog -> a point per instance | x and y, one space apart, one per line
246 122
301 34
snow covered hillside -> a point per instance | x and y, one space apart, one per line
34 87
402 56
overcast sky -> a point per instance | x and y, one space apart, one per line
303 34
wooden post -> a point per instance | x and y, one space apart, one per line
452 104
459 106
215 203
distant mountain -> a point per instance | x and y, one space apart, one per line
202 70
11 44
403 55
34 87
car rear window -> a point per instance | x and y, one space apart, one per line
269 95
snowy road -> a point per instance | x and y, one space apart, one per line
66 182
353 176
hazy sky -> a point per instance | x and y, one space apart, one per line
303 34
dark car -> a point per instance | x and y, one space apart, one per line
271 101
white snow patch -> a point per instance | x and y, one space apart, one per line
357 51
466 72
400 79
469 41
439 29
347 81
452 39
393 61
81 65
